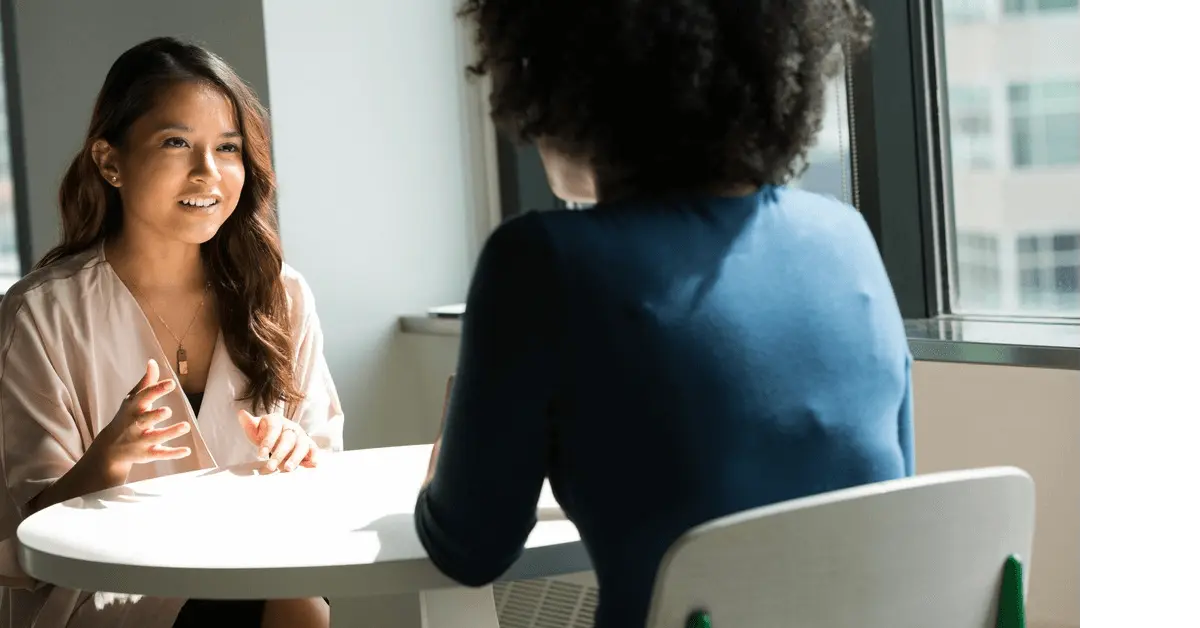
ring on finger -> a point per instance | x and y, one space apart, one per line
282 449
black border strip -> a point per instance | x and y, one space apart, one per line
16 135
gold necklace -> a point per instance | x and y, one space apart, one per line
181 359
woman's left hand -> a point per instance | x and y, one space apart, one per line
284 441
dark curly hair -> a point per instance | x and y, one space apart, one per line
662 95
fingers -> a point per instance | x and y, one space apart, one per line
151 374
160 435
312 458
270 439
298 455
154 440
250 425
160 452
284 447
150 418
147 396
148 378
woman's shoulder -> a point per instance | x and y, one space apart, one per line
58 284
300 298
521 229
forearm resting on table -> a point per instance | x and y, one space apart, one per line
437 444
433 457
89 475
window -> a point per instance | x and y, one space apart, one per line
829 170
1049 273
1040 6
979 273
1044 121
1013 136
10 260
966 11
972 144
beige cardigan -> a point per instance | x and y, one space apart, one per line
73 341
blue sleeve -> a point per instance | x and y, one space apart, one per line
475 516
907 444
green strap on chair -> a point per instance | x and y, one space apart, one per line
699 619
1011 612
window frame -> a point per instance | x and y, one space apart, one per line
902 198
16 136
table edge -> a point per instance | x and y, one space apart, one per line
366 579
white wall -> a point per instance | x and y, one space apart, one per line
64 50
979 416
380 181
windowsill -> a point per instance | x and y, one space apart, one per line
1031 343
1037 344
430 325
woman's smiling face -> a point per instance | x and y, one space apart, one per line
179 169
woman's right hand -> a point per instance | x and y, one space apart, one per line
132 436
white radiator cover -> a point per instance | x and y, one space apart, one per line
560 602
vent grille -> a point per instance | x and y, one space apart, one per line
545 604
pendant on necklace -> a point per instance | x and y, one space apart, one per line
181 361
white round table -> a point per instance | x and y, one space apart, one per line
343 530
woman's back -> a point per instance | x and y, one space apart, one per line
699 358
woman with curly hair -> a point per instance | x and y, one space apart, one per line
704 340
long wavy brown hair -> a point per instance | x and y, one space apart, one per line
244 260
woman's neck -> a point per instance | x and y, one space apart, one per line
152 265
607 191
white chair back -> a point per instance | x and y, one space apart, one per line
921 552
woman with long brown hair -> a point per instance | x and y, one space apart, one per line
170 279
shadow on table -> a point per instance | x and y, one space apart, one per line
393 531
397 532
117 495
244 469
127 494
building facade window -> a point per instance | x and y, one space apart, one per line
1044 123
1048 272
966 11
979 272
1039 6
972 139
